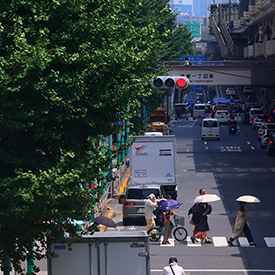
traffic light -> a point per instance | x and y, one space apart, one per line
170 82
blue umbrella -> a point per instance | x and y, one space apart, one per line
169 204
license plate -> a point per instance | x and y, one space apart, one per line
140 210
210 135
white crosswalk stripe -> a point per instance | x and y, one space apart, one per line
220 242
190 244
171 241
244 242
270 241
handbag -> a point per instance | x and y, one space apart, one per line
172 270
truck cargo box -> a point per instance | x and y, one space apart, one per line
153 160
103 253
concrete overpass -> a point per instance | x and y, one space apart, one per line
225 73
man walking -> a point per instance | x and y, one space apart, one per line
150 205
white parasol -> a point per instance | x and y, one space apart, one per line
248 198
206 198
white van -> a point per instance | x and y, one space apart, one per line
210 128
199 110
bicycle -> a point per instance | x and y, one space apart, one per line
179 232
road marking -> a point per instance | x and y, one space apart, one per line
245 271
171 242
270 241
231 149
220 242
190 244
244 242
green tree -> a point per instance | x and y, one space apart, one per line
69 69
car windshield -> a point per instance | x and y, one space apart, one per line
256 112
142 193
210 124
199 107
222 113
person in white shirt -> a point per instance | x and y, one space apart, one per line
150 205
173 268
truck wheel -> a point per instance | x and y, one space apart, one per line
180 233
154 234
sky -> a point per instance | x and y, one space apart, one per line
187 2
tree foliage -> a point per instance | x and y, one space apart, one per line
69 69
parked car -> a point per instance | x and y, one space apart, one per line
265 126
222 116
265 139
134 200
230 92
248 90
257 122
271 144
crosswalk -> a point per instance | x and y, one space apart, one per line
220 242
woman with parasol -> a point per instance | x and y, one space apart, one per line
201 209
241 226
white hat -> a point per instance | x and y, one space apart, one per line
151 196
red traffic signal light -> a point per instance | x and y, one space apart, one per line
170 82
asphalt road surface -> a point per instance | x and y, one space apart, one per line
231 167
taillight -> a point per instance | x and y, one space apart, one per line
270 142
127 203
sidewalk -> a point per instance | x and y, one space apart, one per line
113 203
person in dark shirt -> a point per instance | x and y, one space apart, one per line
241 227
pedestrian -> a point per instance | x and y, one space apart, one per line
150 205
200 211
167 223
195 231
173 268
241 226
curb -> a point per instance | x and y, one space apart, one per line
123 186
110 214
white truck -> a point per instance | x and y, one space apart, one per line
153 161
103 253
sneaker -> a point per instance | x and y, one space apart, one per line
207 241
230 243
252 244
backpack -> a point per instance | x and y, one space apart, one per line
196 218
159 214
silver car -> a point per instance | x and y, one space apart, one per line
265 126
134 200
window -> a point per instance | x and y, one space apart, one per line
210 124
142 193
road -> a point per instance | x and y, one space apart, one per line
231 167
